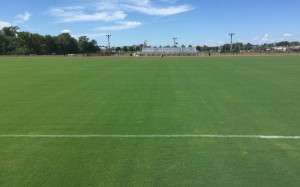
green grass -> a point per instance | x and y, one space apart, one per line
85 96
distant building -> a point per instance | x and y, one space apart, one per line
280 49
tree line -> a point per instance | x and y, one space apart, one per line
237 47
25 43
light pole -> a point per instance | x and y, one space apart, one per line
175 41
17 50
108 38
231 35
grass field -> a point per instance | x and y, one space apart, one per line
144 96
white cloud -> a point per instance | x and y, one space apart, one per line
66 31
75 8
116 10
266 38
286 35
255 38
121 26
119 4
4 24
145 6
169 1
21 18
156 11
75 14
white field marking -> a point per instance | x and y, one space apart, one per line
151 136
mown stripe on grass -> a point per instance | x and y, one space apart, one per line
149 136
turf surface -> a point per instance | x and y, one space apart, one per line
133 96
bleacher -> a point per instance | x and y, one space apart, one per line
173 51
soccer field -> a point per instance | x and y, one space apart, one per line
224 121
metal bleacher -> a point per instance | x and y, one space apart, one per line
173 51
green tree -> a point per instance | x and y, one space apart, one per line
50 44
10 31
23 42
9 39
131 49
248 46
237 47
225 48
36 44
67 44
204 48
93 46
137 48
83 43
283 44
2 44
295 43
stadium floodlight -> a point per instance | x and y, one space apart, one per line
175 43
231 35
17 44
108 38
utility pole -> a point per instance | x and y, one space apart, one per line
108 37
231 35
175 43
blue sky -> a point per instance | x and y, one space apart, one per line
195 22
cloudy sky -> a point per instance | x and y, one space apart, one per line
195 22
